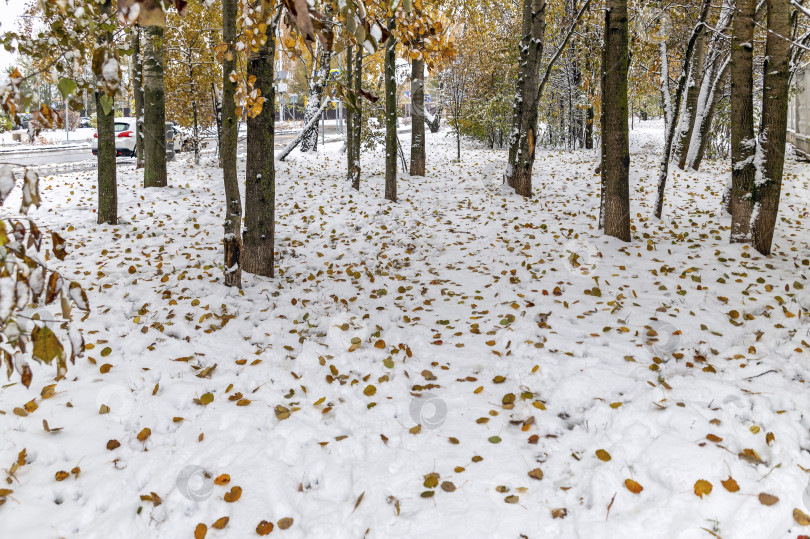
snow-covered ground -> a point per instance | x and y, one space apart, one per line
504 345
47 138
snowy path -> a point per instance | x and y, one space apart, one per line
463 332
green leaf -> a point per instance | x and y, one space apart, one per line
66 87
106 103
46 346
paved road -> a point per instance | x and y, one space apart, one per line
81 159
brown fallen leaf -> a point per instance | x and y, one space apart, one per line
767 499
144 434
359 499
537 473
633 486
560 512
233 495
603 455
200 531
285 523
730 484
714 438
220 523
61 475
113 444
264 528
222 479
448 486
702 488
750 456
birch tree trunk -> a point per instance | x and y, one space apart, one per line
743 143
137 90
154 123
390 116
700 136
615 167
676 104
260 177
773 127
687 121
317 84
418 118
229 134
107 183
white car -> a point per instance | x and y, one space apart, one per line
125 142
124 137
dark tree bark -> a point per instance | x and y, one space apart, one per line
229 121
137 90
615 134
773 127
672 124
107 184
154 124
390 117
743 143
520 86
589 127
260 177
418 118
519 174
357 117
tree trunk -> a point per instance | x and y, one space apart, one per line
137 90
107 185
589 127
669 136
193 92
693 84
743 143
390 117
700 136
615 135
519 174
773 126
357 117
714 76
229 134
317 83
418 118
349 115
154 124
260 180
520 88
